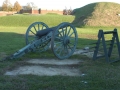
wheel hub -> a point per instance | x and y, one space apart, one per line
66 41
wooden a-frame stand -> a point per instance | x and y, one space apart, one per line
107 53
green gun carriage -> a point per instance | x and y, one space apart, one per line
39 37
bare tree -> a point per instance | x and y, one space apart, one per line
28 6
17 6
67 11
7 6
33 5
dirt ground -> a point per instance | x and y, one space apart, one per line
45 67
50 67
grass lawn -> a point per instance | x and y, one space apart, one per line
99 75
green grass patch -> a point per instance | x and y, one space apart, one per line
99 75
26 20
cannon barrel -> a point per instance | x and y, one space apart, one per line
44 32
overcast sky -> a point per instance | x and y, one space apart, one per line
59 4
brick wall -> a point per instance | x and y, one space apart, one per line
39 11
4 13
35 12
51 11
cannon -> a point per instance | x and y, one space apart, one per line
39 37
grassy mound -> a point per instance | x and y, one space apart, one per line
98 14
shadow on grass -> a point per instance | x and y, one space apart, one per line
10 42
83 42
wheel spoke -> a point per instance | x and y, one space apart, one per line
71 34
69 31
70 47
32 32
66 31
59 39
35 28
58 42
72 39
63 32
60 51
58 47
60 34
38 26
71 43
66 49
